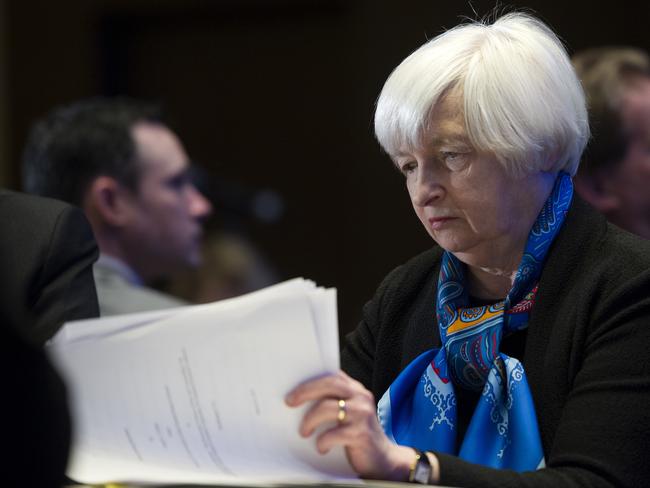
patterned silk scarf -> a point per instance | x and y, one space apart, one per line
419 408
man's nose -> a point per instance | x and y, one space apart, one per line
200 207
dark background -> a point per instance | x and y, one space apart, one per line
273 94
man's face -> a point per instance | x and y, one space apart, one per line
631 179
163 233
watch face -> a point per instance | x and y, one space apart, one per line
422 471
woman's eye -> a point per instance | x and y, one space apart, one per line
408 168
454 160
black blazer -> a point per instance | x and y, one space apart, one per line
47 250
586 355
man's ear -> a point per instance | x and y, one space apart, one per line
597 190
109 201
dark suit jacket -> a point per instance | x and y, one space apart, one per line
47 250
586 355
36 420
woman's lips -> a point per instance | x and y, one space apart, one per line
438 223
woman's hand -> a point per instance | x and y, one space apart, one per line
370 452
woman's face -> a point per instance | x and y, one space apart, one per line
465 199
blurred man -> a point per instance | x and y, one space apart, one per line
130 173
614 175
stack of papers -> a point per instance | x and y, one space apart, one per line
196 394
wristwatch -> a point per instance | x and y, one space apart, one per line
420 471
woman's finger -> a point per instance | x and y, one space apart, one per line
327 410
338 385
341 435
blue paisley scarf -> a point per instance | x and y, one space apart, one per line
419 408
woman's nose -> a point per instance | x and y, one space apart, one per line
426 190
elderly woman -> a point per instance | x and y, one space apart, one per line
515 352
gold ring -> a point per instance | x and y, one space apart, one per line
342 411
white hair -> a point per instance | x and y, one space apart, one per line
521 97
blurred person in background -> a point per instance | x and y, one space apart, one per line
37 426
232 263
232 266
47 251
118 161
614 175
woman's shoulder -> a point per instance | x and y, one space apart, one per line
595 263
623 248
407 280
610 250
415 268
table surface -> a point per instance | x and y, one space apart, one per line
362 484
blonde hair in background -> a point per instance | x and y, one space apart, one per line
606 71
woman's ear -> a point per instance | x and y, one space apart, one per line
108 201
596 190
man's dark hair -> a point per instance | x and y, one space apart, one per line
76 143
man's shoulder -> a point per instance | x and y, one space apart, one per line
46 253
117 296
32 206
34 228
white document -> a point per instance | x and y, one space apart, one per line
196 394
